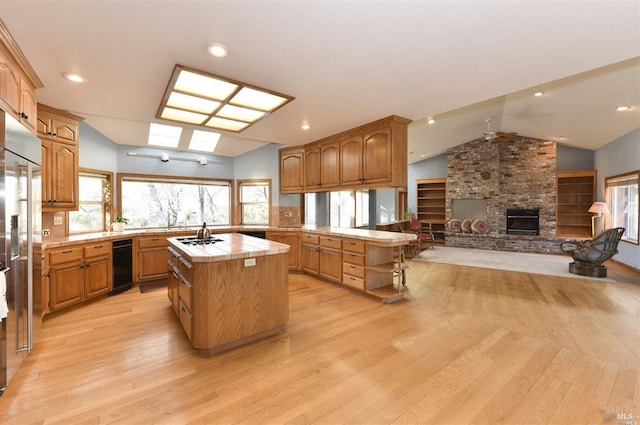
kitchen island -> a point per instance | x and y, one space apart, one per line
229 289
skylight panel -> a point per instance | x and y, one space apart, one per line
164 135
205 141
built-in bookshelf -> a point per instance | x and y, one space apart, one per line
431 205
576 192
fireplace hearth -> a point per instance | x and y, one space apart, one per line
523 221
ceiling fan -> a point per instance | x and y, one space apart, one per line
499 136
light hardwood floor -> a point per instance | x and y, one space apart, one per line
470 345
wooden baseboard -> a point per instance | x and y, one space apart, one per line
626 266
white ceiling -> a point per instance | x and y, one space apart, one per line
348 63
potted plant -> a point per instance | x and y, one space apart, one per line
118 224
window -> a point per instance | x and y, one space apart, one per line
622 197
310 208
148 201
255 201
94 202
349 208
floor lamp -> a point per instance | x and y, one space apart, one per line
598 208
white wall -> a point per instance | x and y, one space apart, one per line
619 157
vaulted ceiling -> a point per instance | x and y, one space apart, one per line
348 63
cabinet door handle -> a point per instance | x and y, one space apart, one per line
98 246
68 251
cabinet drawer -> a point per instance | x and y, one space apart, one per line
352 281
353 270
174 258
353 246
349 257
97 250
152 242
60 256
184 291
309 239
186 319
185 268
334 243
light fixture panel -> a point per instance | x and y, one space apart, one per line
201 85
164 135
240 114
225 124
203 99
251 98
192 103
204 141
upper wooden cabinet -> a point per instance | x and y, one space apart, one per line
58 132
370 156
292 170
329 159
18 82
57 125
311 168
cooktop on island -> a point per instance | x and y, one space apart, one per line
193 240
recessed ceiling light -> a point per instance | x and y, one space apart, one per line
218 50
76 78
431 121
623 108
305 126
538 93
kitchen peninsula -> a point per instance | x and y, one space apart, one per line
229 289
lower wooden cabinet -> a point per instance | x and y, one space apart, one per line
152 257
309 250
330 258
78 273
293 240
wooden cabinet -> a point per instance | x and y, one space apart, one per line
152 257
431 205
180 289
78 273
309 250
330 258
98 273
57 125
575 193
58 132
373 155
59 176
66 277
363 265
329 159
18 85
291 170
293 240
312 168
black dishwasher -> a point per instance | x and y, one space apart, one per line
122 266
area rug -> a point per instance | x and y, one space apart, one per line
547 264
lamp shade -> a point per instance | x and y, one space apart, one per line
599 208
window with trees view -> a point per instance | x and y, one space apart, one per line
622 197
94 202
255 201
173 202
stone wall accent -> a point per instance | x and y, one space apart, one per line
518 173
514 243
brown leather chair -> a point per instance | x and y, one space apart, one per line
589 256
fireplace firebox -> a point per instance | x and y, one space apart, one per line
523 221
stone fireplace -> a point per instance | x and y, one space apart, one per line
519 174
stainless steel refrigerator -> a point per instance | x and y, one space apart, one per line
20 227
